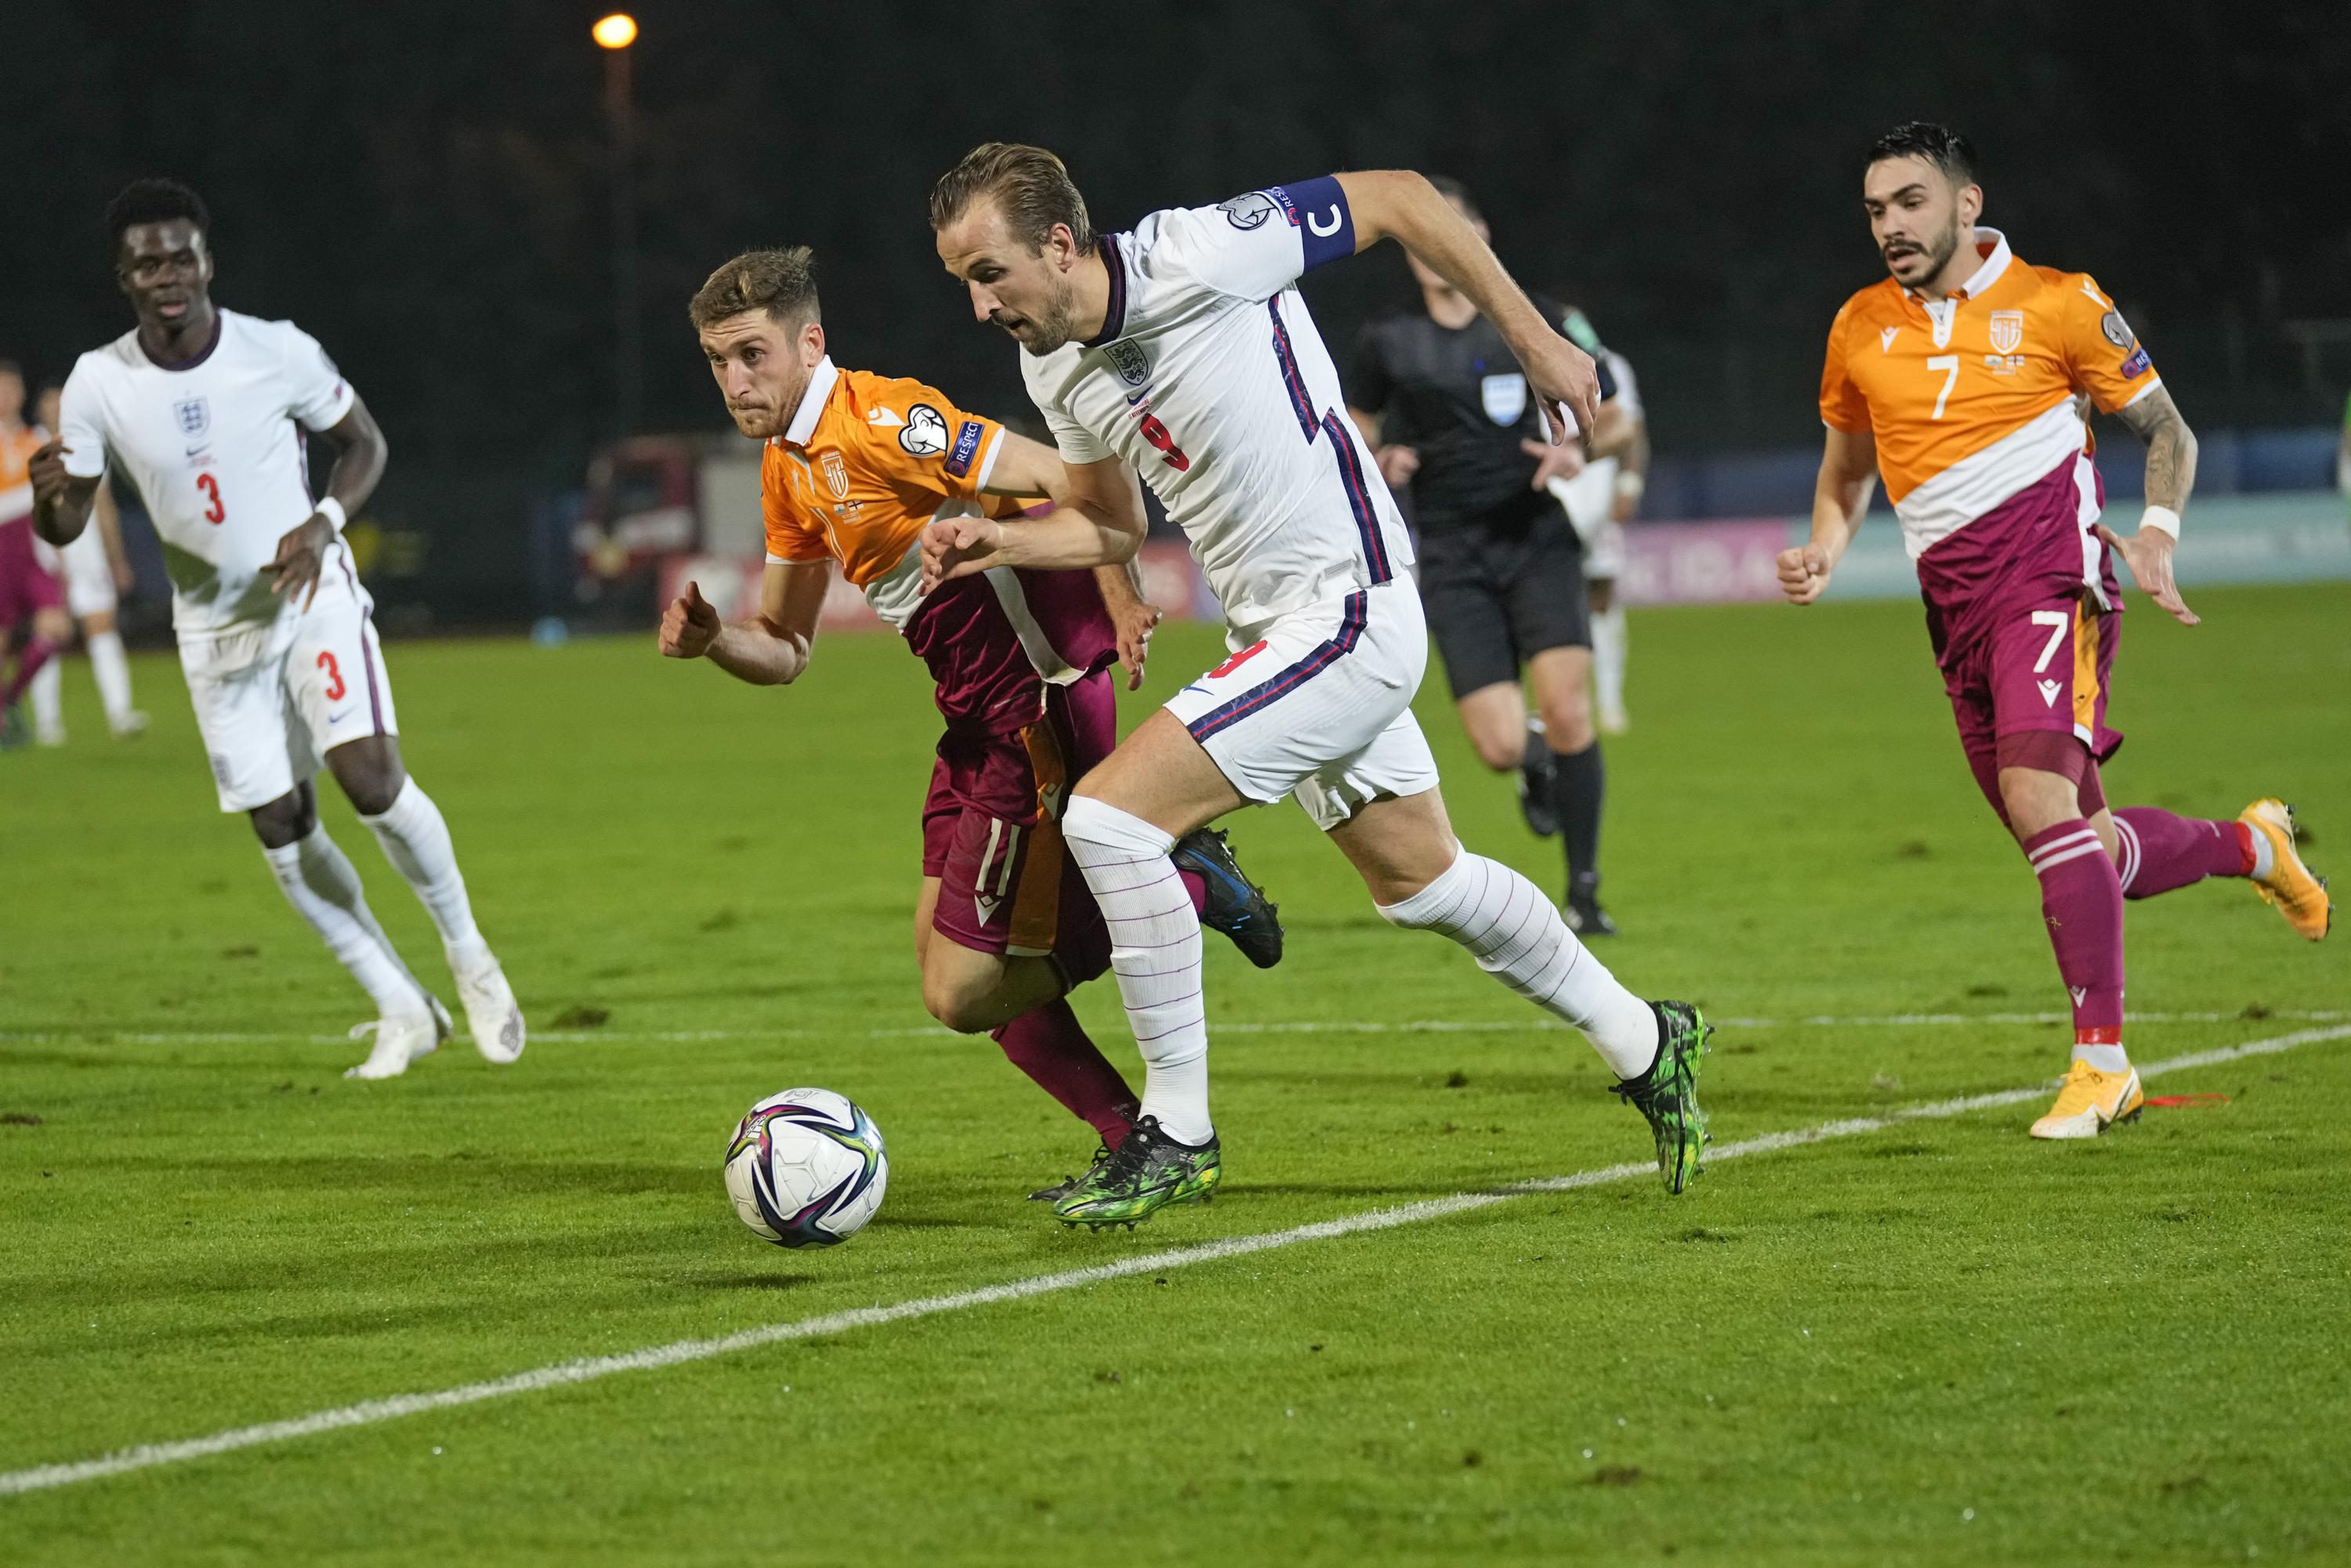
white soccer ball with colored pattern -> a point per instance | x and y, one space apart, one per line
806 1168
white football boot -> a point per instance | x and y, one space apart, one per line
492 1014
400 1042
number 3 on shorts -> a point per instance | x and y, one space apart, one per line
335 687
2059 623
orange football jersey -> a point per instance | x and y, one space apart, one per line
1971 398
866 464
16 479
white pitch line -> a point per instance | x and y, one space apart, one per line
368 1412
1388 1025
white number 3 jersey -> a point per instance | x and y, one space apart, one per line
1211 380
215 450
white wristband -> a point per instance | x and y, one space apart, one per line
332 510
2161 519
1630 485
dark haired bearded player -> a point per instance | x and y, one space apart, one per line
205 411
1956 378
1183 351
856 466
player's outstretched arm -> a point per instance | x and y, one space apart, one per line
1097 518
773 647
360 452
61 501
1840 498
1396 203
2170 475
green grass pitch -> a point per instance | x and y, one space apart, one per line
1934 1342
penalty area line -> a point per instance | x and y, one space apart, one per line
367 1413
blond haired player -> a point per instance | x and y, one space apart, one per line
856 466
1957 379
205 411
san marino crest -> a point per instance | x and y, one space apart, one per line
1505 397
1126 357
835 475
195 415
2007 331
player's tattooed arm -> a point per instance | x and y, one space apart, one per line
1396 203
2170 475
1840 500
61 501
2156 420
360 452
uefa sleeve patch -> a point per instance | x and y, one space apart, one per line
966 448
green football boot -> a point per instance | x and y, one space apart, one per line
1143 1174
1667 1094
1068 1184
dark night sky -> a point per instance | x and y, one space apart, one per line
421 183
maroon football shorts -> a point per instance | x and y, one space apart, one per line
992 835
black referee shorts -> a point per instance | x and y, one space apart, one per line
1500 588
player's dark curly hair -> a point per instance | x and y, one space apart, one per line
1940 145
154 201
780 282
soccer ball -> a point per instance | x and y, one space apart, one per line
806 1168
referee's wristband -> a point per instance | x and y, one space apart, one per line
332 510
2162 518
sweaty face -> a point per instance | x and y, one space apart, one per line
166 270
1918 218
1029 293
762 367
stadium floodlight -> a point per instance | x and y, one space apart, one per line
617 31
615 34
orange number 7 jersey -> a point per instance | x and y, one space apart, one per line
1971 398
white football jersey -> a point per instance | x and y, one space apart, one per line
1209 378
215 451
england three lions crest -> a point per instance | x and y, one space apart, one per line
2007 331
195 417
1127 357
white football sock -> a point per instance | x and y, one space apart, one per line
318 881
1516 936
1608 658
1155 952
2104 1058
48 713
416 841
112 672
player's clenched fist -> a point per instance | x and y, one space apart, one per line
47 470
689 625
1803 573
958 547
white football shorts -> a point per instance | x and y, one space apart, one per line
89 576
1319 705
271 700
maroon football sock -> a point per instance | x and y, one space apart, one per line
1197 886
1049 1045
2161 851
39 650
2081 900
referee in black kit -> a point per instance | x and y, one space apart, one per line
1442 403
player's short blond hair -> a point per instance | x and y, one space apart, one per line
780 282
1030 186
